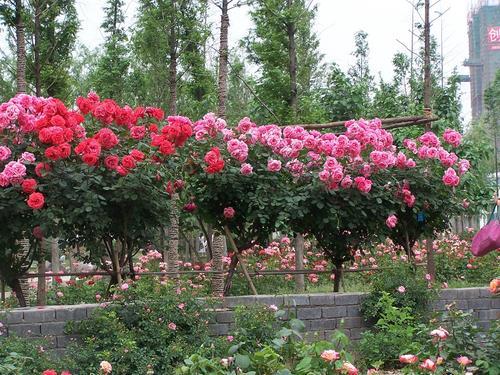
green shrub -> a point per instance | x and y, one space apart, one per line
416 295
19 356
394 334
136 334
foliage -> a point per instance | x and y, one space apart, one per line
19 356
279 350
135 332
394 334
461 347
414 297
268 47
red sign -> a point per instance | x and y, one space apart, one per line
493 36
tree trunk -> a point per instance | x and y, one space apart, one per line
115 261
217 265
299 263
18 290
222 90
292 63
20 48
41 296
173 239
36 47
172 70
338 276
230 274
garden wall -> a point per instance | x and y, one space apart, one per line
321 313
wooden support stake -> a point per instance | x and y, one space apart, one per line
229 236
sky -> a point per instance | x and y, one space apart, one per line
385 21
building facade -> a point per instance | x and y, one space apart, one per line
484 50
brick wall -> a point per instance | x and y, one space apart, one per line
321 313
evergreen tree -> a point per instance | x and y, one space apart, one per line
169 70
57 29
285 50
109 79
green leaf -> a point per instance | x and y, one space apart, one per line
242 361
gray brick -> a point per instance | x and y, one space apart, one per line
334 312
484 292
91 309
39 315
13 317
484 324
270 300
240 300
347 299
80 313
64 315
355 333
218 329
352 323
322 299
25 330
296 300
353 311
224 317
493 314
323 324
309 313
448 294
479 304
467 293
53 328
495 303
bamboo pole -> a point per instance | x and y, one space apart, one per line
387 123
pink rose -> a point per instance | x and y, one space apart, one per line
229 212
246 169
391 221
172 326
450 177
5 153
363 184
401 289
464 361
330 355
408 358
273 165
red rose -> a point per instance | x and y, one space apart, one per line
84 105
52 153
29 185
41 169
106 138
64 150
128 162
153 128
137 155
49 372
215 167
212 156
90 159
121 170
137 132
58 120
167 148
36 201
111 162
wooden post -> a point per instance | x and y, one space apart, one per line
431 266
41 299
299 263
236 254
54 255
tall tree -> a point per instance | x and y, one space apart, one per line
285 50
13 14
52 36
168 41
110 77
